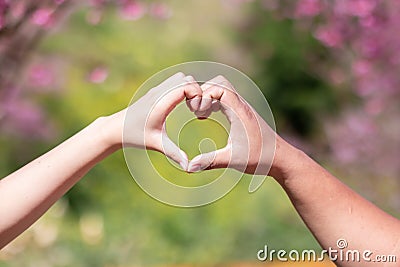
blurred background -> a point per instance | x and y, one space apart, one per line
329 70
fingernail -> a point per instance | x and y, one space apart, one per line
202 115
194 168
190 79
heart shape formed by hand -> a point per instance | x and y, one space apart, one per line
248 150
243 151
250 146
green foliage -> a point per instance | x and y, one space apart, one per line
285 59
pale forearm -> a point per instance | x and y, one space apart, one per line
27 193
332 210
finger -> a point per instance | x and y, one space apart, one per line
204 110
192 89
213 107
212 91
218 80
178 82
224 99
221 90
168 84
193 97
205 104
212 160
188 89
171 150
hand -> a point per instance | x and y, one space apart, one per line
251 142
144 125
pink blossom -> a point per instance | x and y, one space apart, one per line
374 106
235 2
98 75
160 11
24 113
42 17
3 7
2 21
368 21
41 76
329 35
357 8
367 87
337 76
23 118
344 153
97 3
360 125
270 4
18 9
361 67
4 4
351 137
308 8
132 10
364 44
361 8
94 16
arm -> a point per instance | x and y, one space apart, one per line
30 191
330 209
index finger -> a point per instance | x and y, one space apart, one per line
219 88
187 88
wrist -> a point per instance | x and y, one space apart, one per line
109 129
287 161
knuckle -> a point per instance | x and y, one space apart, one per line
189 78
211 165
180 75
221 77
220 90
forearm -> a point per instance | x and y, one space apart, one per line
29 192
331 210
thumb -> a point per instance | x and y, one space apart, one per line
212 160
171 150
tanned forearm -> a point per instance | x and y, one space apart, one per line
332 210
